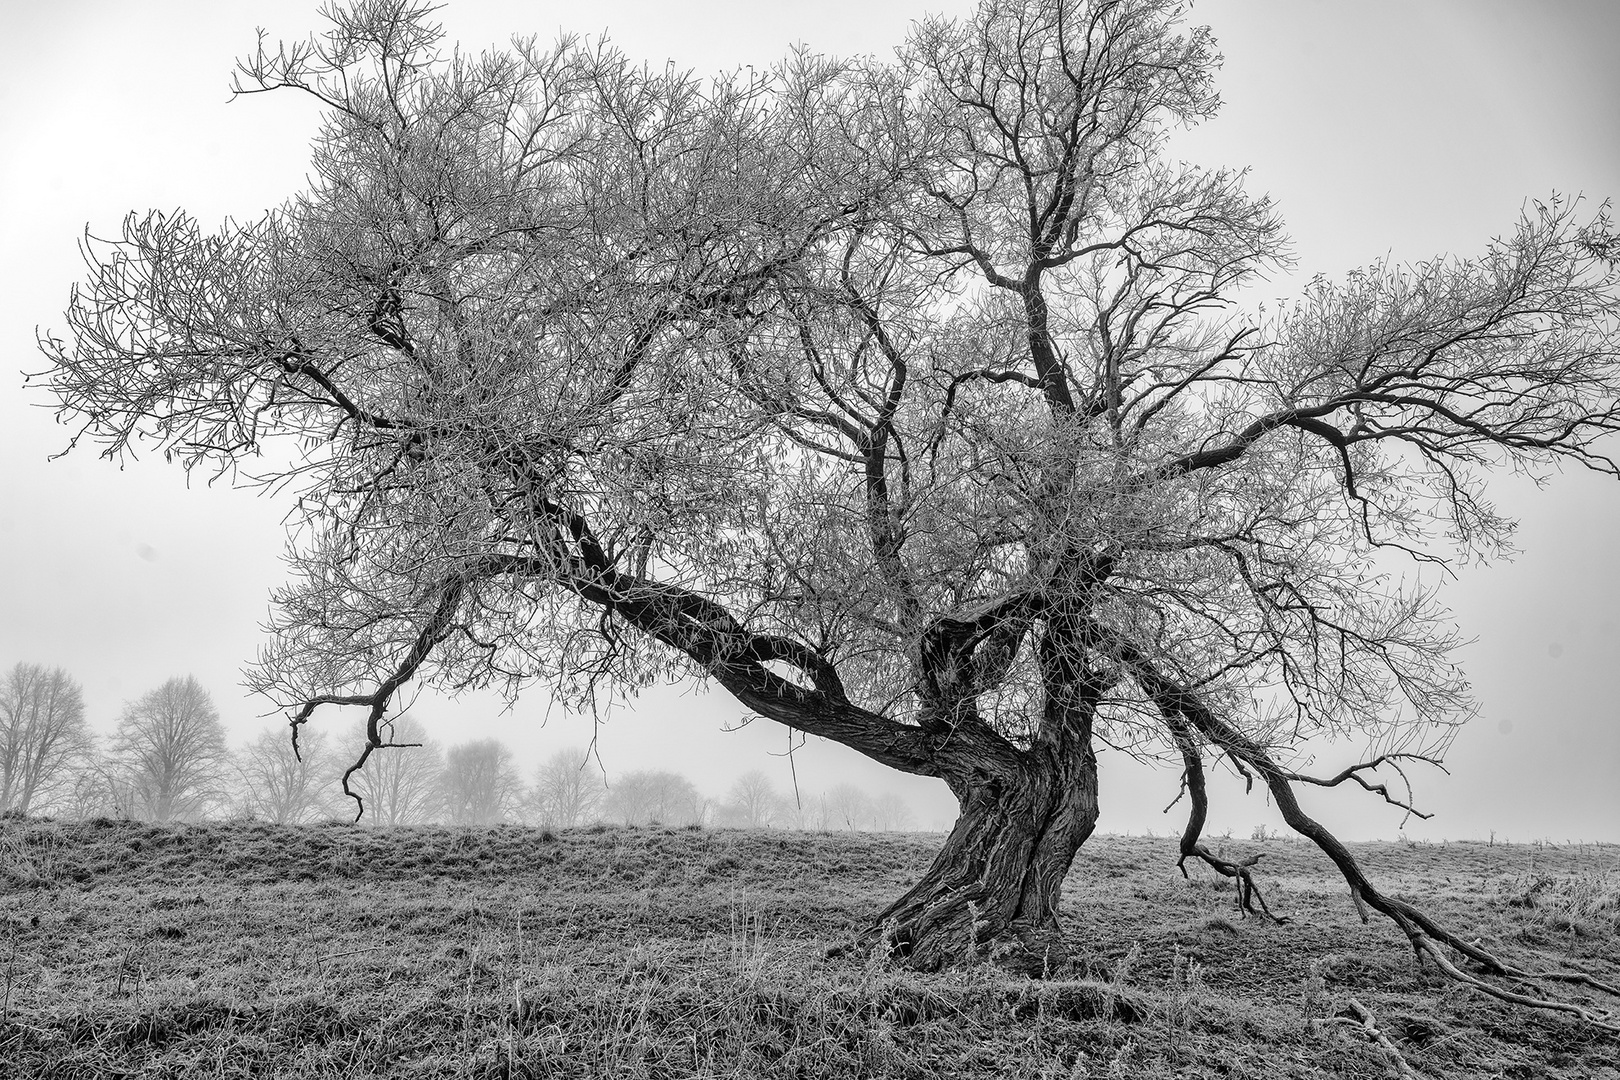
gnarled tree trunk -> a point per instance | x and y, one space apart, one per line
992 892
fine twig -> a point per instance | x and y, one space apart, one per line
319 959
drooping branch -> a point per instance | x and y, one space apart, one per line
695 625
1427 937
433 631
1241 871
1424 933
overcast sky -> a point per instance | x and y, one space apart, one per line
1400 129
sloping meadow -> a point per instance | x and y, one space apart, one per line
252 950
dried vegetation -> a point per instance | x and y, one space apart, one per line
324 951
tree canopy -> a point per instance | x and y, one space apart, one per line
910 400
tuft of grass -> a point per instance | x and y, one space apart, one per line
1585 903
29 855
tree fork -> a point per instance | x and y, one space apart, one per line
994 887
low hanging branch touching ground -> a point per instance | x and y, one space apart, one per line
1197 791
1425 934
1184 710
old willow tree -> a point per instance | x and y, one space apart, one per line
906 400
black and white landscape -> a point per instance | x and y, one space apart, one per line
1061 424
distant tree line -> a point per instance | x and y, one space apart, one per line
167 760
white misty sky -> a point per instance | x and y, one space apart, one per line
1403 129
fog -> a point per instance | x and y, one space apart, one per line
1381 128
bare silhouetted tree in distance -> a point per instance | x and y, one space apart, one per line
168 760
287 788
653 796
849 807
753 802
568 789
890 813
43 738
479 784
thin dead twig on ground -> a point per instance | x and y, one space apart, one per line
1364 1020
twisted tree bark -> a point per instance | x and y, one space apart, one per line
992 892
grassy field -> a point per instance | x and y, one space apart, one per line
229 950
